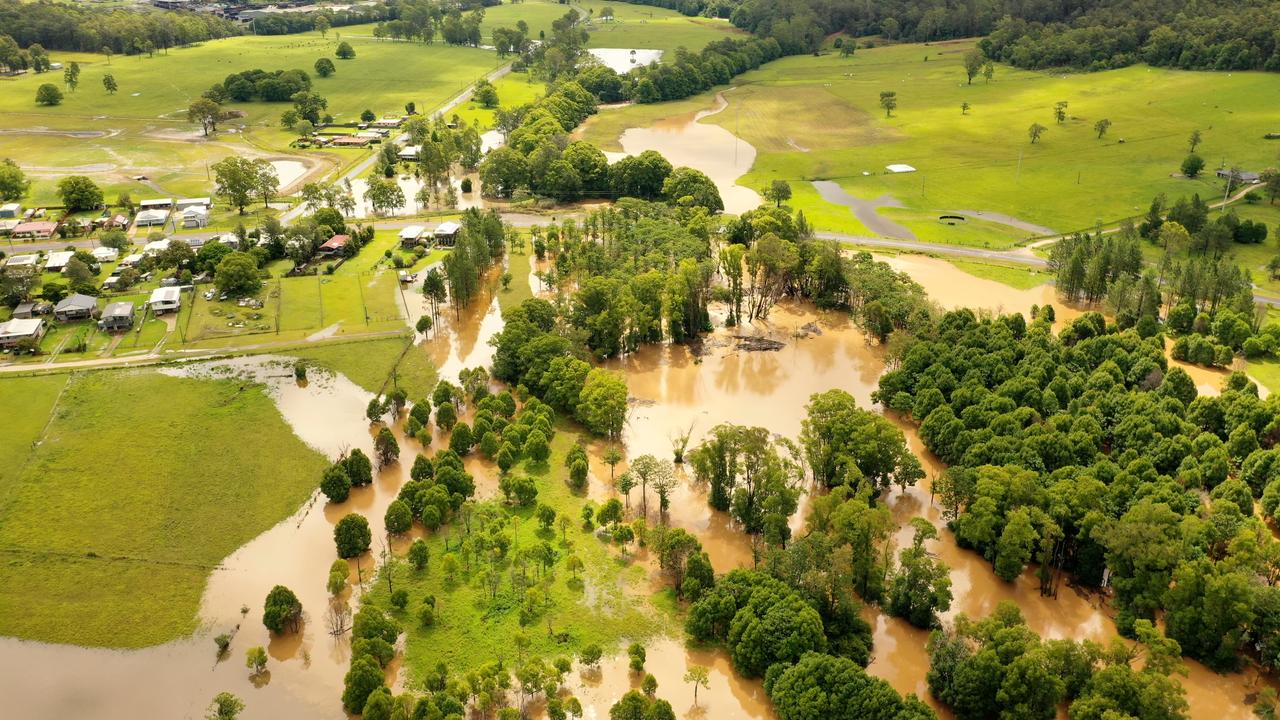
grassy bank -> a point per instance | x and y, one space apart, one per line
369 364
142 484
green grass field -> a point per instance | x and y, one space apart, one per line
108 531
606 603
369 364
633 26
819 118
1015 276
143 130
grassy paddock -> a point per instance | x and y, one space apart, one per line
142 129
369 364
604 605
108 522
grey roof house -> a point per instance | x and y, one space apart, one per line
117 316
75 307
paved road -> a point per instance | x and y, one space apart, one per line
1013 256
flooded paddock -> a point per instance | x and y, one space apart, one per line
674 389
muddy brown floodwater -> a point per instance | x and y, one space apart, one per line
673 390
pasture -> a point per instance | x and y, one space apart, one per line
819 118
107 520
633 26
142 129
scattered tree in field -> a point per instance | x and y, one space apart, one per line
282 610
419 554
206 113
1101 127
225 706
1192 166
1035 131
424 325
1060 111
352 536
325 67
322 25
485 94
988 71
345 51
1270 179
889 101
13 182
964 108
238 179
779 191
71 75
1193 141
973 62
79 193
109 84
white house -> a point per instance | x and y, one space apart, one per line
16 330
131 260
155 247
165 299
150 218
57 261
446 233
18 261
105 254
156 204
412 235
195 216
409 152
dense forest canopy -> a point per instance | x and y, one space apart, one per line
69 26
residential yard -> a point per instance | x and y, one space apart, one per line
122 510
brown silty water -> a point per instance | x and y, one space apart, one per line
673 390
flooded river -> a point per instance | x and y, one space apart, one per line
673 391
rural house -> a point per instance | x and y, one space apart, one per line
156 204
40 230
17 261
16 330
196 216
411 236
446 233
105 254
75 307
155 247
150 218
165 299
57 261
185 203
334 246
409 152
117 316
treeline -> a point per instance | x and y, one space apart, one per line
72 26
286 23
717 64
1231 35
1085 454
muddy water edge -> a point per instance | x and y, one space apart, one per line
674 389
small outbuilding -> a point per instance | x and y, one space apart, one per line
25 310
131 260
116 316
165 299
185 203
156 204
16 330
10 210
75 307
899 168
446 233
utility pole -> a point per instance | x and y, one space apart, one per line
1018 173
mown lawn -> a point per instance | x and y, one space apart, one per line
607 603
143 484
1016 276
